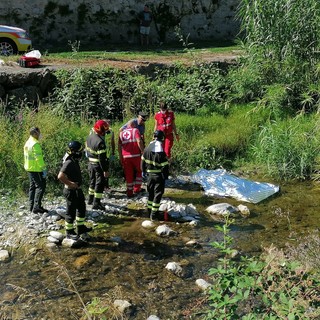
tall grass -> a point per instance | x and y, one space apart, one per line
289 149
282 40
207 141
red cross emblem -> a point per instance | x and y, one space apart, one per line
126 135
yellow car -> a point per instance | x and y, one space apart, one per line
13 40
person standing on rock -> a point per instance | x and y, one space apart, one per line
130 147
96 151
70 175
154 163
36 167
165 121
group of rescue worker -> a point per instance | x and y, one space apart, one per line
138 162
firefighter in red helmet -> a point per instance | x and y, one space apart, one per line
96 150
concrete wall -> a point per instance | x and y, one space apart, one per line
115 21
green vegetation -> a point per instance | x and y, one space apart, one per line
263 111
270 287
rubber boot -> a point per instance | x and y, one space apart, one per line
90 199
83 229
97 205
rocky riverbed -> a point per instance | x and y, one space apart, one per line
136 267
131 268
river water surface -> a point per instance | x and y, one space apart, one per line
56 284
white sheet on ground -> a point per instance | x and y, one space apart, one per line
220 183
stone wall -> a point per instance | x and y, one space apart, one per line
28 85
115 21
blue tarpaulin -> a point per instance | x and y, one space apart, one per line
221 183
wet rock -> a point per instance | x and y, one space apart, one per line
84 261
175 268
191 210
164 230
148 224
51 245
203 284
193 223
124 306
70 243
57 235
53 240
4 255
222 209
193 243
244 210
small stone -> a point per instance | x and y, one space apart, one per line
57 235
174 268
148 224
123 306
164 230
203 284
53 240
4 255
244 210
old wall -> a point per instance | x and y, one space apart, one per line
115 21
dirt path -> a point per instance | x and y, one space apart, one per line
205 57
122 63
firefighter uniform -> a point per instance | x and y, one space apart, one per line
130 148
70 175
96 151
155 164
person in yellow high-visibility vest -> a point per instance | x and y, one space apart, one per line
36 167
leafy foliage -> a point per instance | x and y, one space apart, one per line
272 287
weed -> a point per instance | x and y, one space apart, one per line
74 45
272 287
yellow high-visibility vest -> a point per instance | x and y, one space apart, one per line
33 156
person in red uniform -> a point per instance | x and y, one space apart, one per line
130 148
165 121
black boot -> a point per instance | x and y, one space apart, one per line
70 234
83 229
90 199
97 205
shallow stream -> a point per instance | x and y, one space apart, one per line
41 283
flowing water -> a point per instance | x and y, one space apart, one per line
58 284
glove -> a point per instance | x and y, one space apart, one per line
44 173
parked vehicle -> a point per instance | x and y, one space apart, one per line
13 40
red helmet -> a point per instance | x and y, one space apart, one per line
100 127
